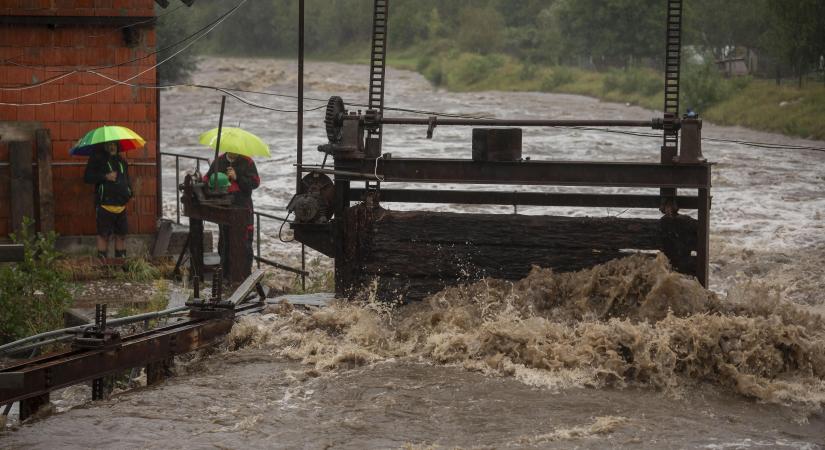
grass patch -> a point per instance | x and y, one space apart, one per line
783 109
319 280
757 104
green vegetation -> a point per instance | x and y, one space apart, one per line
138 269
763 105
610 49
319 280
33 293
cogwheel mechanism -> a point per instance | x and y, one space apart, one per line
333 119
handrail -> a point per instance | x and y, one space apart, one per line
11 347
258 215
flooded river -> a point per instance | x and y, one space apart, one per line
627 354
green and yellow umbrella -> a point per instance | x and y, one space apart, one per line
235 140
126 139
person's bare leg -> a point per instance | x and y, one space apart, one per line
120 246
102 246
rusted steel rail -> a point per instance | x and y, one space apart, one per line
39 376
655 124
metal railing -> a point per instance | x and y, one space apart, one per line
258 215
260 259
178 157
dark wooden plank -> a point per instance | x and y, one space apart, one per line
246 287
523 198
22 183
162 238
44 180
417 253
11 252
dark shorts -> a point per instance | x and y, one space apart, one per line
110 223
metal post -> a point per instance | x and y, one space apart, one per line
258 237
703 238
220 129
177 183
300 153
303 267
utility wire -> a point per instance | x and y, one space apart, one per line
141 22
764 145
65 73
204 34
200 86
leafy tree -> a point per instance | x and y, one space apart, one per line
480 30
796 34
615 32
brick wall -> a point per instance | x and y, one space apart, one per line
55 50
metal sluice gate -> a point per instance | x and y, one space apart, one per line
415 253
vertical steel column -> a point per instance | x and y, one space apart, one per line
258 237
303 267
177 183
673 67
343 274
703 238
300 122
300 143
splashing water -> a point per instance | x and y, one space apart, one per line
628 322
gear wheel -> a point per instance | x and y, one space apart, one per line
332 120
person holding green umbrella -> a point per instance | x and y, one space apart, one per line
236 164
108 171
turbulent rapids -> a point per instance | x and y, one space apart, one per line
628 322
625 354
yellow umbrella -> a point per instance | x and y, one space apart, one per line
235 140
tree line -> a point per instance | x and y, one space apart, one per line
788 35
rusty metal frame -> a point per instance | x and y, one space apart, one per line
54 371
356 161
557 173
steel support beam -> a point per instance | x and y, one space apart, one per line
523 198
557 173
436 121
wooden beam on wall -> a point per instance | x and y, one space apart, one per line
44 180
22 183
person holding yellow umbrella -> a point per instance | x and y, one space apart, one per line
235 168
108 171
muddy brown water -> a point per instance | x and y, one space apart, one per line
626 355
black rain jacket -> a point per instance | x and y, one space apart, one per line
114 193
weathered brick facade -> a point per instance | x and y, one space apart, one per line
48 38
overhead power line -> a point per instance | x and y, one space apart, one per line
65 73
204 34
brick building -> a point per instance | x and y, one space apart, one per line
45 46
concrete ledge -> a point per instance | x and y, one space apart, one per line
136 244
